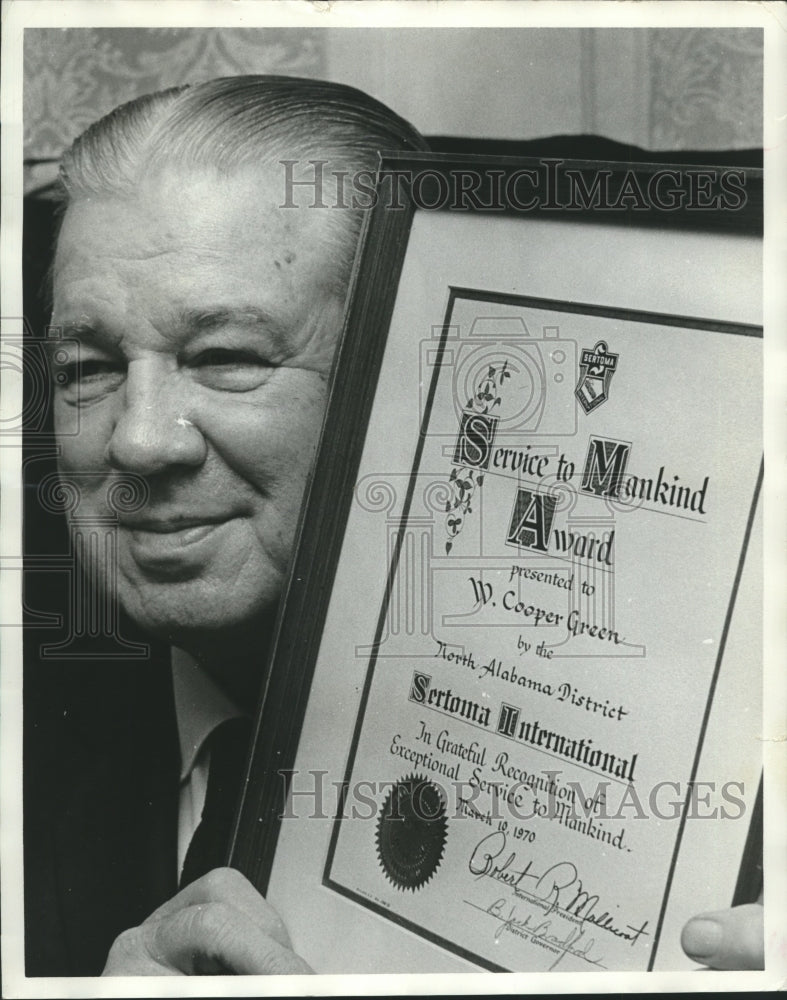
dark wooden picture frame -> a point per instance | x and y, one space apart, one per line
729 200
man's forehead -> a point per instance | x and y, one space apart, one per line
219 251
195 212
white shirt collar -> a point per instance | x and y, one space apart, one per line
200 706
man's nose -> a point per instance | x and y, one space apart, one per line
153 431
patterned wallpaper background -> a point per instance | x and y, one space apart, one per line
706 88
73 76
658 88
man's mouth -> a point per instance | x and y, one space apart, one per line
173 525
166 544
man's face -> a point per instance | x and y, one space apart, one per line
206 324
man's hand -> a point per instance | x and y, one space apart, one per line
217 925
727 939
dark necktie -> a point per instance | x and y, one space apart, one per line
228 745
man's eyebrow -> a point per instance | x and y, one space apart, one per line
204 319
245 316
83 331
218 316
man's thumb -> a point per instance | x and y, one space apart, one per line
726 939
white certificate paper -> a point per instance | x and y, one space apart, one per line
559 594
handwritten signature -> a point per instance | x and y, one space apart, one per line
540 931
559 886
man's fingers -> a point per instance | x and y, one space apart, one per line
202 940
225 885
218 924
726 939
210 939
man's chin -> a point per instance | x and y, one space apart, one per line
198 622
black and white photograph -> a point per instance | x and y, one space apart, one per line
392 453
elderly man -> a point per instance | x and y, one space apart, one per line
206 317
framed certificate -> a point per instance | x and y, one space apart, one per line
509 722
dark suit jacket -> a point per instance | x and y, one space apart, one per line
101 798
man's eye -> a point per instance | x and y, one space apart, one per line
81 381
222 356
232 370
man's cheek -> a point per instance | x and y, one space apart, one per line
83 439
67 422
270 447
